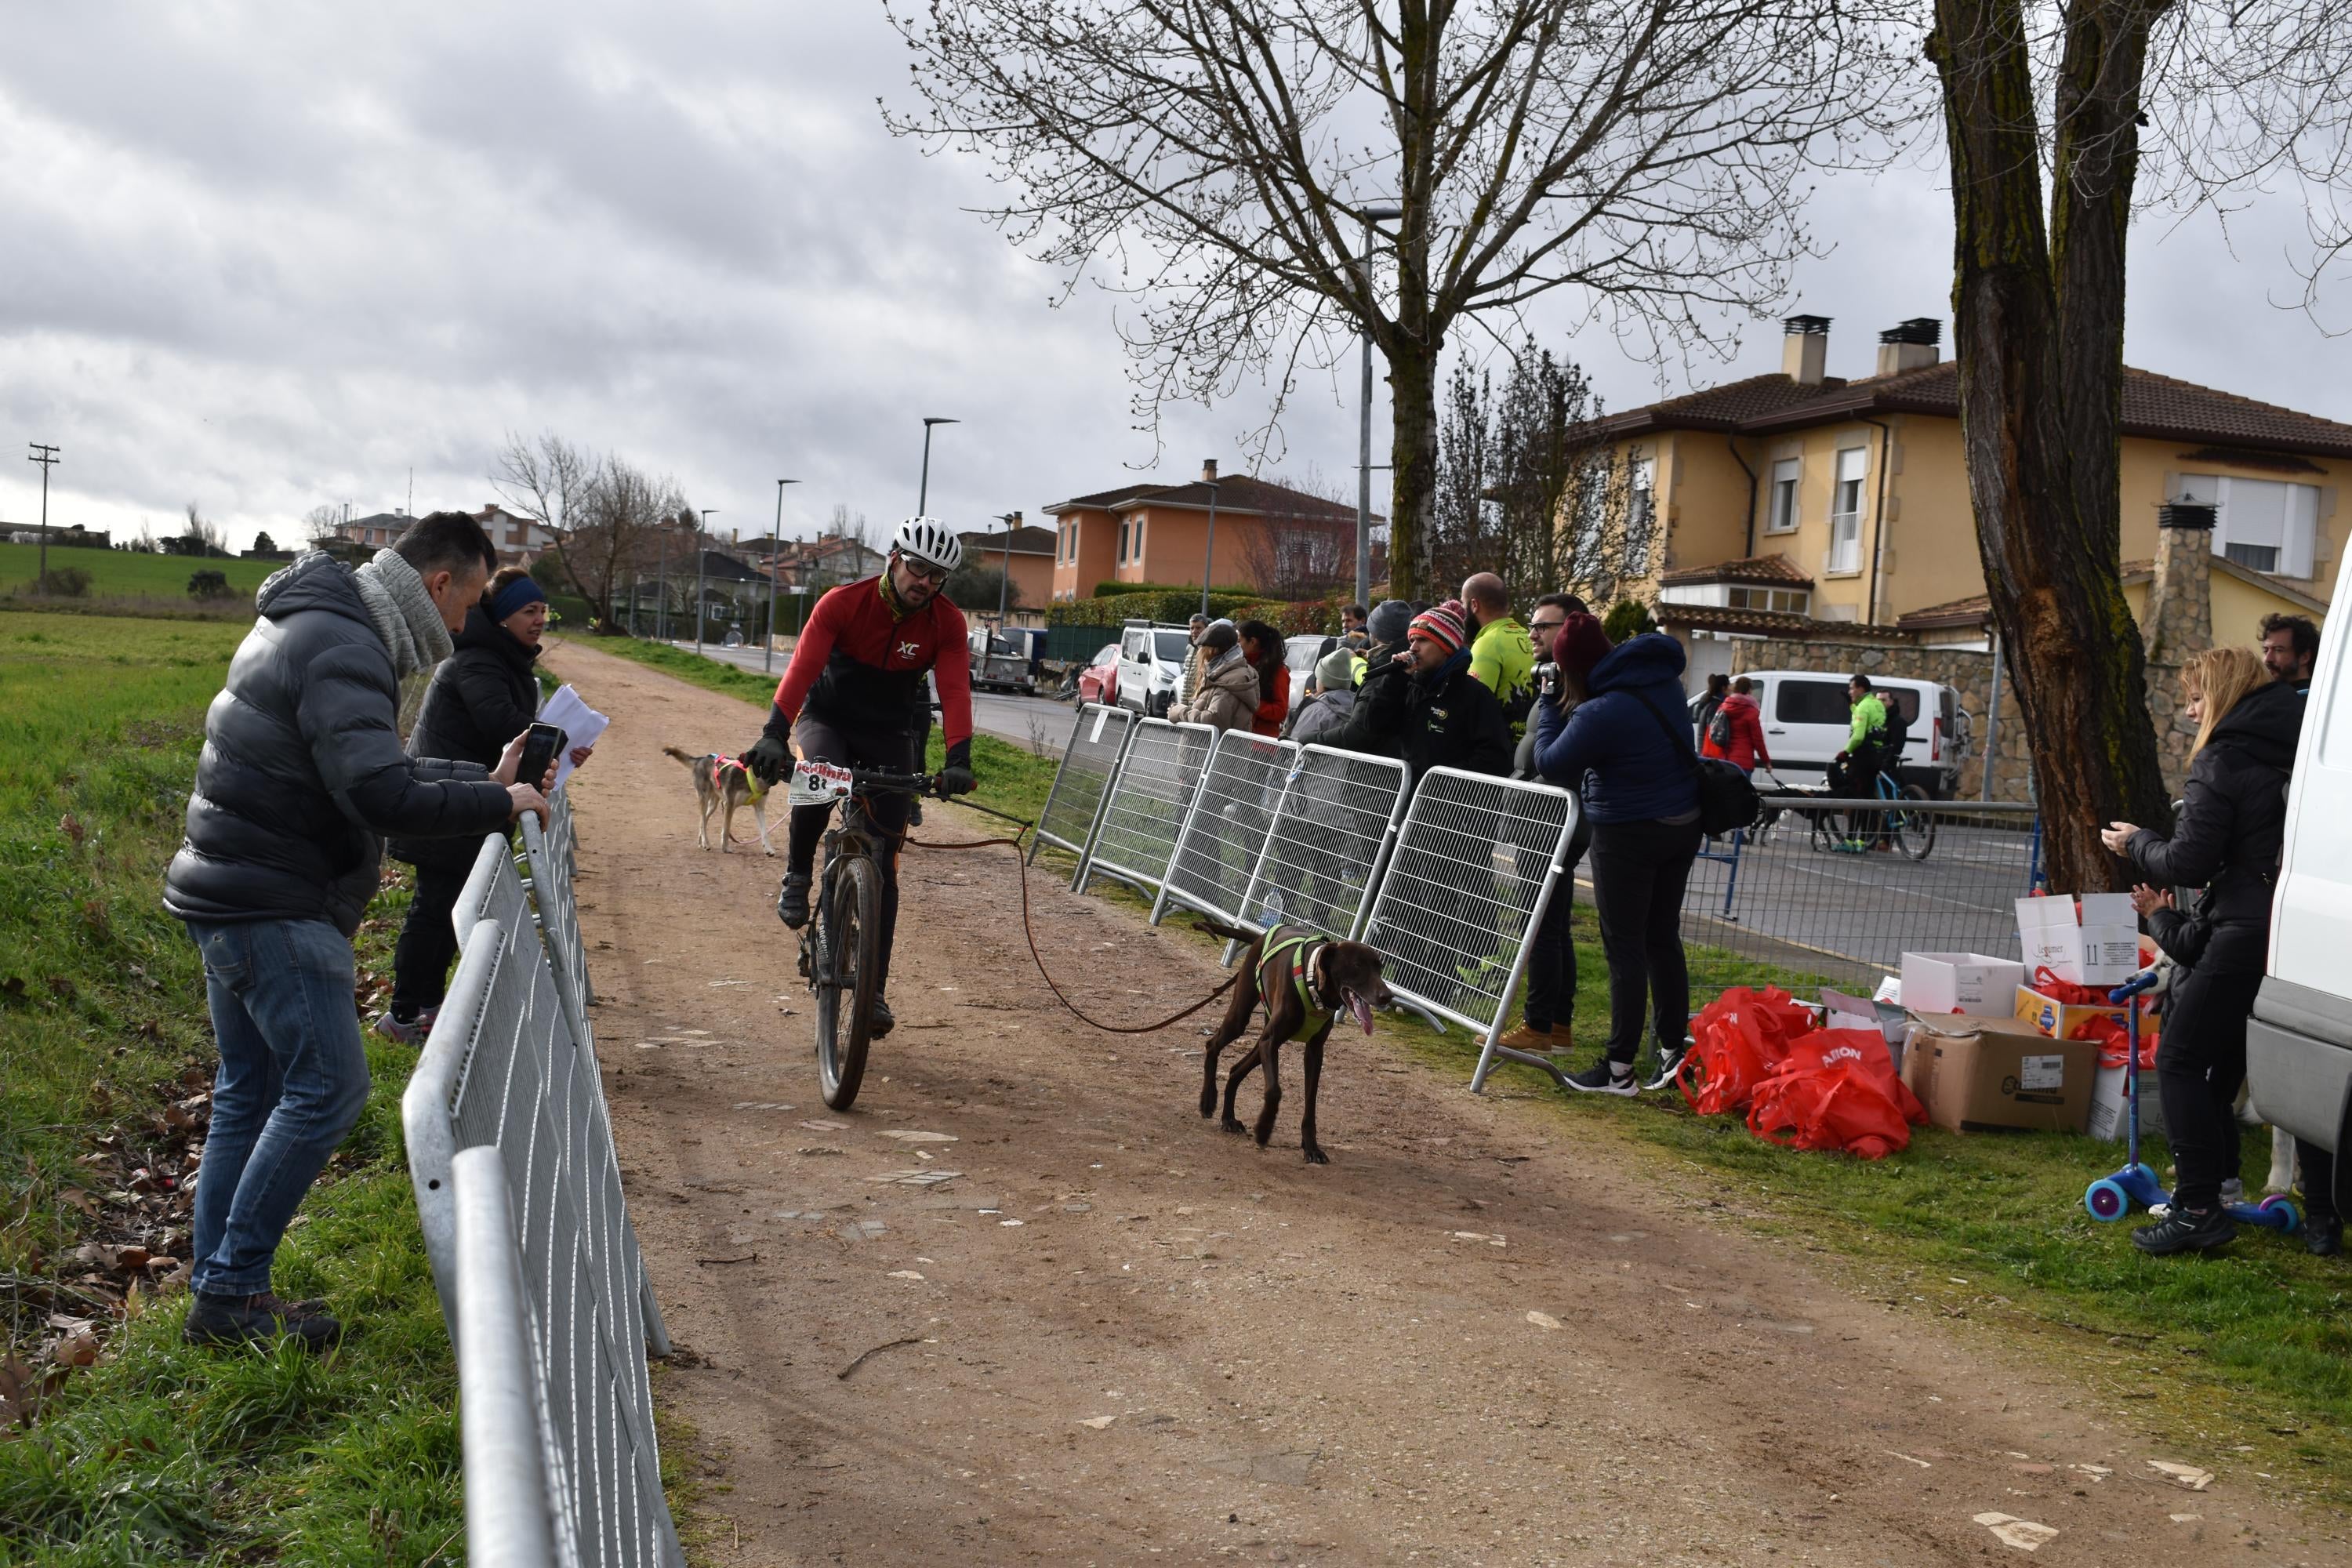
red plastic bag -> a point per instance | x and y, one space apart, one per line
2114 1042
1736 1041
2066 991
1837 1089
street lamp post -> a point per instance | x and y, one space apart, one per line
47 457
702 560
661 591
1011 519
768 653
1371 215
923 493
1209 565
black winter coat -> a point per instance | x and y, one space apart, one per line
302 767
482 696
1375 726
1453 720
2233 823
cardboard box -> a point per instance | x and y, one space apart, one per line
2101 948
2057 1019
2106 1119
1961 983
1974 1073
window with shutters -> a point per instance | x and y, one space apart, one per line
1780 516
1845 510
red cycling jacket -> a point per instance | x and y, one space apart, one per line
860 659
1746 723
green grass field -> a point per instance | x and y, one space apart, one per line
159 1453
120 575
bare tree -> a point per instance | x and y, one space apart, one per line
1521 479
1300 549
1217 159
2230 96
320 521
617 522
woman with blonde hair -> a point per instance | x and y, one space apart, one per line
2227 841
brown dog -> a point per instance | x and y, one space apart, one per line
723 785
1305 982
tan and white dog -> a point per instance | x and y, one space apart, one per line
724 785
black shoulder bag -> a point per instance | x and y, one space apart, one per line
1728 801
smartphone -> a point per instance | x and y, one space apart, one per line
540 743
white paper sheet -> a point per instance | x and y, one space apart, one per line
580 723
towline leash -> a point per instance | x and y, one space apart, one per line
1029 930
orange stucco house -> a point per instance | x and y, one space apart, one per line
1161 533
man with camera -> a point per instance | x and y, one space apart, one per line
303 776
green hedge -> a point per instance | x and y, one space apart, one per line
1176 605
1113 589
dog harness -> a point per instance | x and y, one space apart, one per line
1301 948
719 766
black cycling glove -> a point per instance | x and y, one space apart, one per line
771 753
957 777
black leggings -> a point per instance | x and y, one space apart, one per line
428 942
1551 957
2201 1061
1639 871
876 746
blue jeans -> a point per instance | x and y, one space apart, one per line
293 1078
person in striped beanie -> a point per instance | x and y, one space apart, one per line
1452 719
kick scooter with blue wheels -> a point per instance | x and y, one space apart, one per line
2136 1186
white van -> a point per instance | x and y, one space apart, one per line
1807 719
1150 661
2299 1041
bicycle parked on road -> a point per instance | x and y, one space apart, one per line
1907 822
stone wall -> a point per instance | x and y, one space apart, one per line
1970 674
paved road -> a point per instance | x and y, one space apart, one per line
1004 717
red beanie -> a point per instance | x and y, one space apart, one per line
1580 645
1442 623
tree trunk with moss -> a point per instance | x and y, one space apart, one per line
2038 331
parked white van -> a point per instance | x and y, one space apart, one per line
1807 719
2299 1041
1150 661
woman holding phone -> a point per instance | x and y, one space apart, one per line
482 697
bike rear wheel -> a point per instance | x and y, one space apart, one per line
849 942
1915 823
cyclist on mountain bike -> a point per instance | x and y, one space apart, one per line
1855 771
853 696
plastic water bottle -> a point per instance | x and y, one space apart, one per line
1269 914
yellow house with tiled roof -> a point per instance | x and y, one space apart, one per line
1771 505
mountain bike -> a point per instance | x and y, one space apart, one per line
841 947
1908 821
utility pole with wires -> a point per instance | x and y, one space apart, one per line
775 541
702 560
47 457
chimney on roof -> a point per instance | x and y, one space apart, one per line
1909 345
2179 618
1805 352
1207 470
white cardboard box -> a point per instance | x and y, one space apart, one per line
2102 949
2107 1120
1961 983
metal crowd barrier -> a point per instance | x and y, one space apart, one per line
1834 891
1328 840
1471 869
492 891
501 1069
1224 834
552 868
1082 779
502 1406
1143 811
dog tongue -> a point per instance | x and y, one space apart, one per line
1362 1010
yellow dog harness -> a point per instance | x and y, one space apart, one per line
1301 948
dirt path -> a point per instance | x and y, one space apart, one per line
1136 1339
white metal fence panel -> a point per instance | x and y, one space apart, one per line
1144 810
1097 740
1472 866
549 855
1224 833
1324 849
501 1070
510 1503
493 891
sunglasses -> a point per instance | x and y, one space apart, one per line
1546 626
934 575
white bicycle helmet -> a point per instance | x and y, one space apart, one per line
928 539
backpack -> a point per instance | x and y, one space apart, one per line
1895 735
1718 731
1728 800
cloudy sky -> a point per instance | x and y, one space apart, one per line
265 256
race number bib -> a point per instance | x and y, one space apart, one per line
820 784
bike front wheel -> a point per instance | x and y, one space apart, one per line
849 926
1915 823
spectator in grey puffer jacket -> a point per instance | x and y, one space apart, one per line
301 774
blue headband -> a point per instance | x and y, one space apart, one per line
514 596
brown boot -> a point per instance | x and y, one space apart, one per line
1554 1041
